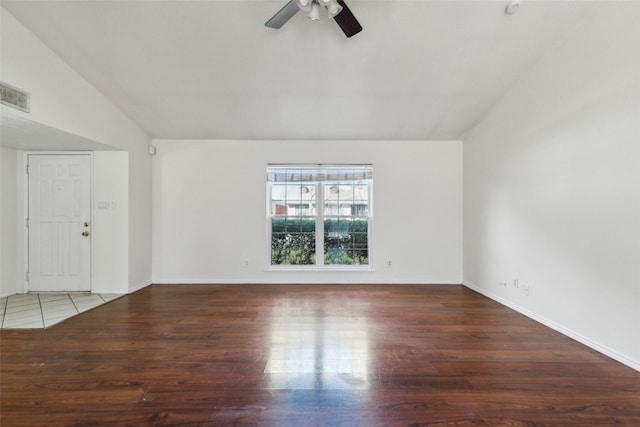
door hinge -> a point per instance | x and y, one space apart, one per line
27 168
27 276
27 222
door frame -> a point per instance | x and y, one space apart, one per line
25 208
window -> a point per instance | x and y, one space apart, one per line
320 215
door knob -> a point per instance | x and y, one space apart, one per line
85 233
86 224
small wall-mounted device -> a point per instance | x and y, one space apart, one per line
512 7
152 150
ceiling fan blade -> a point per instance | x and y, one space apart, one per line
283 15
345 19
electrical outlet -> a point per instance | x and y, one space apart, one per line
245 263
389 263
525 288
503 284
516 283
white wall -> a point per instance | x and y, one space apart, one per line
210 210
552 189
9 280
110 228
62 99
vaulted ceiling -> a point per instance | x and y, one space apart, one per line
420 70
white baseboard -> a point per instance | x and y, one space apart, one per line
556 327
139 286
299 281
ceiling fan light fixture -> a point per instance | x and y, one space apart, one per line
333 8
304 5
314 13
336 9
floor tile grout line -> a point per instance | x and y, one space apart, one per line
4 312
41 310
74 304
68 303
69 299
30 312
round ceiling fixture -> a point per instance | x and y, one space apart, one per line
512 7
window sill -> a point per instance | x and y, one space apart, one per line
340 269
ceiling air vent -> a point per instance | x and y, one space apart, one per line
14 97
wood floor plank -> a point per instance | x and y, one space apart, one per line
308 355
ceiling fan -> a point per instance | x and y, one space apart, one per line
336 9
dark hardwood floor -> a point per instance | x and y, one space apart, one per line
308 355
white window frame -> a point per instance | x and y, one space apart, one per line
320 217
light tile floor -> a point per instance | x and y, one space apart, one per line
41 310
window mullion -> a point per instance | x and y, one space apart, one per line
319 224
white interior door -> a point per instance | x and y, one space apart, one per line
59 225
